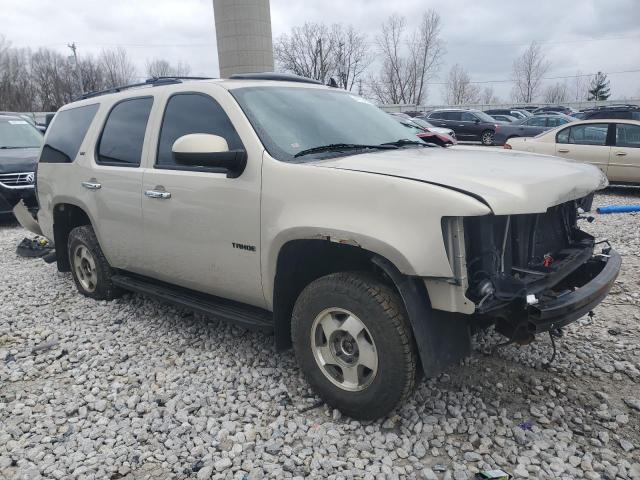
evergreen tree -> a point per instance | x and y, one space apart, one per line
599 88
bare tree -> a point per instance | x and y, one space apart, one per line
16 86
408 60
93 77
528 71
426 49
308 51
53 79
557 93
159 67
118 68
459 90
579 87
487 97
351 55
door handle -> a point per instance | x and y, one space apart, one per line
92 185
563 150
621 154
157 194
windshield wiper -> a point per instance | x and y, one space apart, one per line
336 147
405 141
10 148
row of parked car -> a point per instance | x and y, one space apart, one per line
497 126
609 137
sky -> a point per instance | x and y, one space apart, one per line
577 36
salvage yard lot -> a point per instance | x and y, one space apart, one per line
137 389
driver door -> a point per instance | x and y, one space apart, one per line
203 231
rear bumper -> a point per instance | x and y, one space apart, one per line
591 284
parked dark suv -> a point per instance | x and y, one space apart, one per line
468 124
20 144
622 112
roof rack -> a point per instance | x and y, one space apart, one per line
614 106
280 77
153 81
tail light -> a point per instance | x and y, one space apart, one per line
507 146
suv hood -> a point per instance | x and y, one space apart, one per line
509 182
13 160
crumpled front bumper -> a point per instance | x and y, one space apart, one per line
591 284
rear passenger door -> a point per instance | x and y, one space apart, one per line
112 185
205 233
624 163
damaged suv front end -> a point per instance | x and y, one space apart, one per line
530 273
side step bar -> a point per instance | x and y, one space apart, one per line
246 316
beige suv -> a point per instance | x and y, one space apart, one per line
278 203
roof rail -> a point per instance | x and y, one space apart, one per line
153 81
280 77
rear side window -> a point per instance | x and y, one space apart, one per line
193 113
123 133
456 116
627 135
66 134
537 122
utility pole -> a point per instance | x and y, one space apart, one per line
73 47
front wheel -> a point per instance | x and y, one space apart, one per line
354 345
487 138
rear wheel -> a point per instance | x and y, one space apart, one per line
353 343
90 269
487 138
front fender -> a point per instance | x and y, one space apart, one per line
396 218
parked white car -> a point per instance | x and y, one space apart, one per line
278 203
612 145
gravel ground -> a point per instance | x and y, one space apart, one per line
137 389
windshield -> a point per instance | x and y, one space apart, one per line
484 117
422 123
19 133
289 120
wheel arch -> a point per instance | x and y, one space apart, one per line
66 217
300 262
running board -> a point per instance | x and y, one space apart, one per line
241 314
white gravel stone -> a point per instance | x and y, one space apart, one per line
144 390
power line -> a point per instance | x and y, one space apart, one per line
459 42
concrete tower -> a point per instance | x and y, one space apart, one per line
243 33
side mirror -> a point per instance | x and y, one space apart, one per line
209 151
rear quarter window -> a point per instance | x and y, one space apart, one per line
66 133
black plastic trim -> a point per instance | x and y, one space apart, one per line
570 307
242 314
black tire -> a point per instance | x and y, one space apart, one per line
382 312
85 238
486 138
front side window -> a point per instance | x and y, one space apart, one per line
468 117
627 135
18 133
436 115
556 121
123 134
188 113
585 134
66 132
290 120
